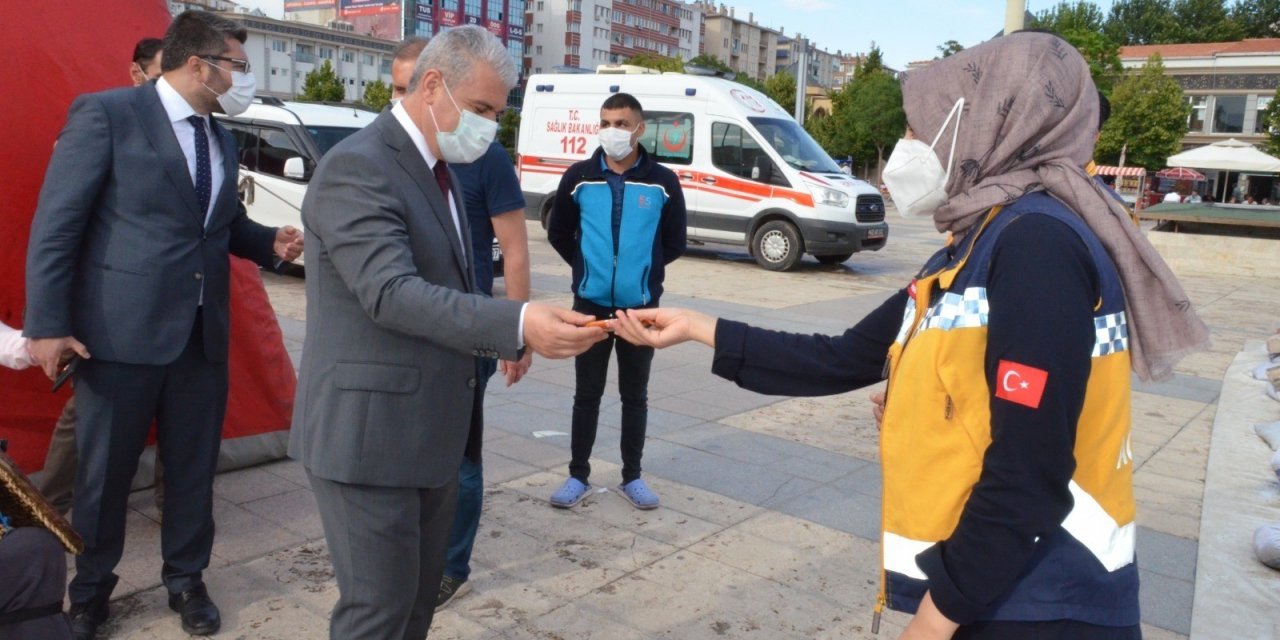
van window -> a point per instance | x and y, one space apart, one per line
794 145
668 135
246 141
734 150
327 137
274 148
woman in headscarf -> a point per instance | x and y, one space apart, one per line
1008 507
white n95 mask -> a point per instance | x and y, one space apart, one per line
914 175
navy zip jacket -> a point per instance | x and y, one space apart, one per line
618 232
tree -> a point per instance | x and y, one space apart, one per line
1257 18
1077 15
654 61
1101 53
508 129
708 61
949 48
1205 21
323 85
1271 120
781 87
875 111
1141 22
377 95
1148 118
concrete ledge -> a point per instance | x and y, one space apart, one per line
1217 254
1237 596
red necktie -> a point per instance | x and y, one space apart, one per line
442 178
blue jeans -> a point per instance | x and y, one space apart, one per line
466 518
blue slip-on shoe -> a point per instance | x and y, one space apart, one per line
639 494
570 493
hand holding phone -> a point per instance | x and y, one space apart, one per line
67 371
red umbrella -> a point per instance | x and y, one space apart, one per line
1180 173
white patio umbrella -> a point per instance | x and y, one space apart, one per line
1228 155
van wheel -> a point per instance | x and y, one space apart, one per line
776 246
835 258
545 214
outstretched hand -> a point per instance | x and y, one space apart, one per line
660 328
553 332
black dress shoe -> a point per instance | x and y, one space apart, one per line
200 615
86 617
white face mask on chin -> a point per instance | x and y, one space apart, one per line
914 175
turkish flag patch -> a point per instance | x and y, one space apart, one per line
1020 383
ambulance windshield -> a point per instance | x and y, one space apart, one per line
794 145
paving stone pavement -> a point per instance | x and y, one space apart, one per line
770 506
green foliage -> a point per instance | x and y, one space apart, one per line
1271 118
1141 22
654 61
1149 115
949 48
781 87
1076 15
708 61
377 94
508 129
323 85
1102 54
867 117
1257 18
1205 21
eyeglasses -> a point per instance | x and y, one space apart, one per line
236 63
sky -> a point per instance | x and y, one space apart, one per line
905 30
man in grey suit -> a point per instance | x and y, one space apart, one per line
394 325
128 261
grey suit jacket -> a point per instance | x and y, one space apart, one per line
388 367
119 250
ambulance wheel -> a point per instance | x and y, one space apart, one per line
835 258
776 246
545 214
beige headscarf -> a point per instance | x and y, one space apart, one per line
1029 118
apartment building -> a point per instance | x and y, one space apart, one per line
583 34
283 52
740 43
823 66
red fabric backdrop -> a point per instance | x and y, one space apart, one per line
50 53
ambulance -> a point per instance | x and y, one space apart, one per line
751 175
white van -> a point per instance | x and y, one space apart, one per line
280 144
751 175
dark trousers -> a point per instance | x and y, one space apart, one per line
1046 630
387 546
33 573
592 367
117 403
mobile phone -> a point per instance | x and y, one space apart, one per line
68 370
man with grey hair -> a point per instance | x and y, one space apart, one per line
388 378
403 61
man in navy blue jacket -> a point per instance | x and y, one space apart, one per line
619 219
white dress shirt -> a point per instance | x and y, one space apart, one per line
14 353
179 110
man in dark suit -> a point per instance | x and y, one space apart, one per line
388 378
128 262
